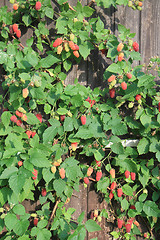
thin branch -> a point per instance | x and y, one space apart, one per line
19 43
90 3
53 212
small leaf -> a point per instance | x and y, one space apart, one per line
92 226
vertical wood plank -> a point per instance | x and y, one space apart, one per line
150 30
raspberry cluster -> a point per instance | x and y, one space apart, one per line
135 4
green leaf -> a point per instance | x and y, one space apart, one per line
19 209
143 146
62 111
114 68
21 227
32 119
16 182
92 226
117 148
38 158
124 204
48 61
5 118
67 65
68 124
87 11
10 220
4 192
151 209
50 133
59 186
8 172
81 217
27 19
127 190
49 12
42 224
84 133
43 234
47 108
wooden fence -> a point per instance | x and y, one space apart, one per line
146 25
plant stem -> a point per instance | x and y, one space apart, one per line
53 212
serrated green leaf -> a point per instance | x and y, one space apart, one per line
92 226
151 209
143 146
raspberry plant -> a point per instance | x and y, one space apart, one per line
47 127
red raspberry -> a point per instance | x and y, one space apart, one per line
135 46
89 171
145 235
76 47
57 42
140 4
86 180
24 117
35 221
111 78
76 54
39 116
128 227
15 27
15 6
132 207
62 173
18 33
112 92
124 85
35 173
33 134
13 118
120 47
72 45
112 172
98 163
19 114
20 163
92 102
113 185
103 51
83 119
19 123
129 75
62 117
120 57
133 176
119 192
130 221
38 6
111 195
120 223
127 173
138 96
29 133
98 175
43 192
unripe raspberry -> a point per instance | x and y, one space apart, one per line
112 172
124 85
133 176
20 163
25 92
119 192
130 4
130 42
111 195
59 49
127 173
89 171
135 46
38 6
95 213
71 36
99 218
18 33
53 169
86 180
120 223
120 56
120 47
62 173
112 93
15 6
129 75
130 105
138 97
19 123
98 175
111 78
71 45
113 185
57 42
15 27
24 117
76 54
74 146
136 223
13 118
66 47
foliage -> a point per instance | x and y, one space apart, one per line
43 137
